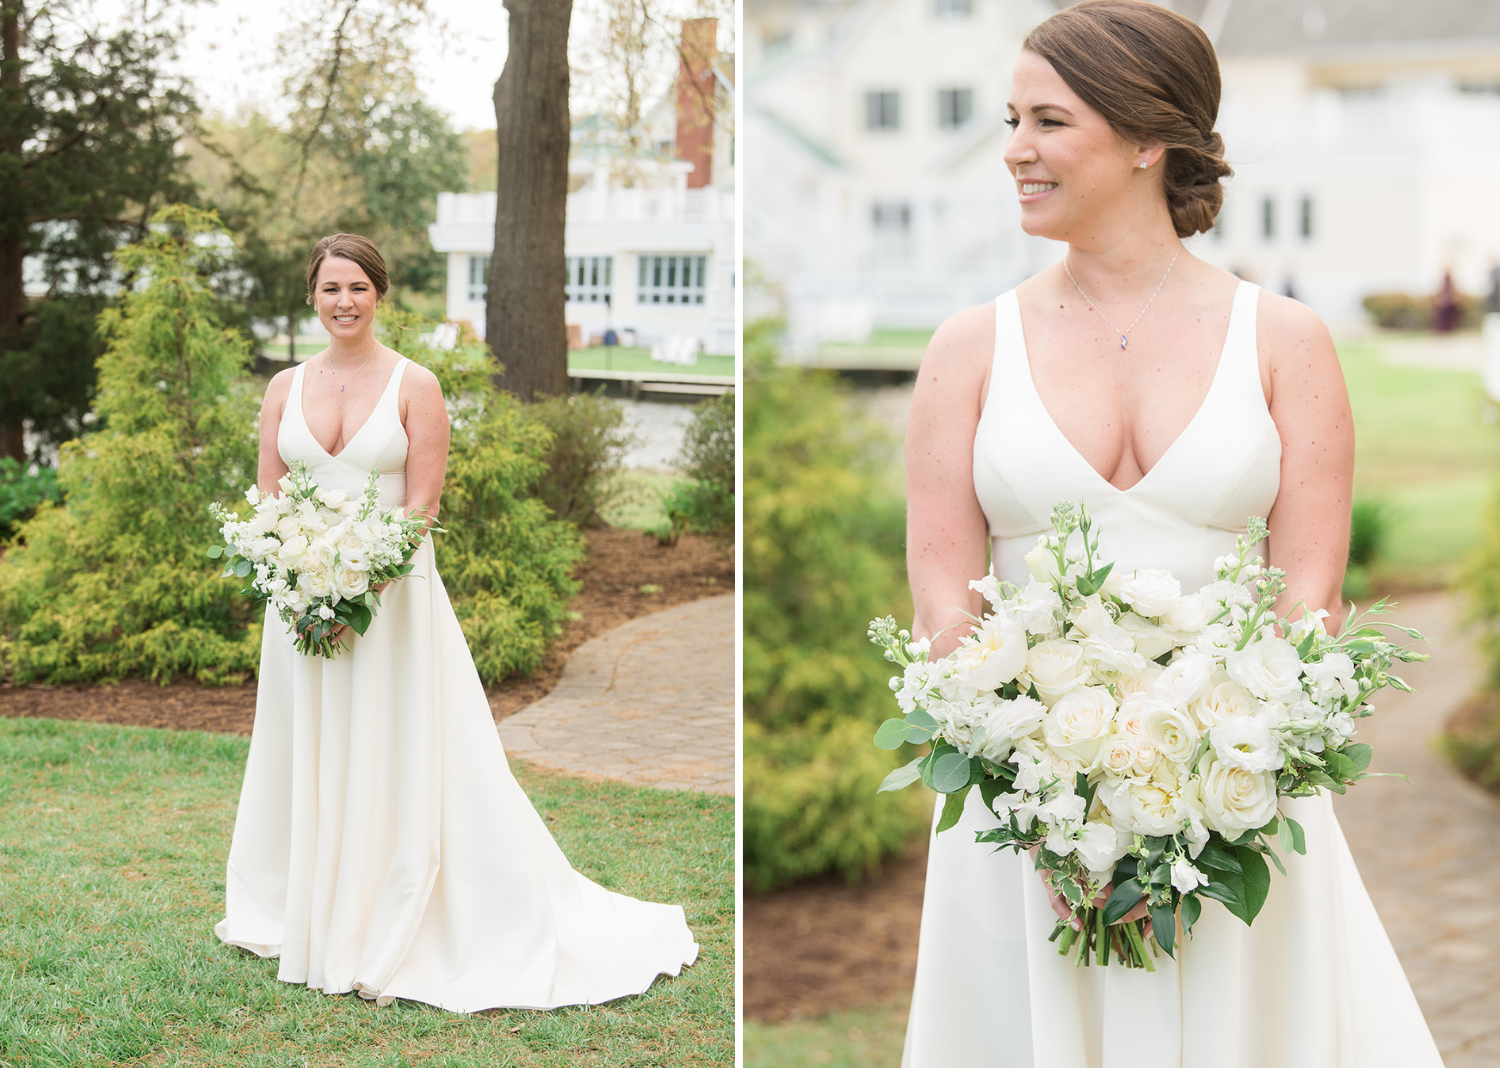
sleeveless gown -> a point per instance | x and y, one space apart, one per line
1314 983
382 844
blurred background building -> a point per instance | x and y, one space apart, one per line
1365 137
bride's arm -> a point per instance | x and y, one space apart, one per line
1310 405
425 417
946 533
270 466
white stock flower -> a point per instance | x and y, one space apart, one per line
917 650
1150 640
1056 667
1185 877
992 655
1173 731
1246 742
1078 725
1235 800
1185 679
1217 639
1150 592
1268 668
1226 594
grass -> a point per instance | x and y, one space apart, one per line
864 1037
619 358
1423 447
112 847
639 505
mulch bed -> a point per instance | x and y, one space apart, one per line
627 574
822 946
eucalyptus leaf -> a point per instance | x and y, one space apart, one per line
1359 753
953 808
243 568
215 551
918 717
891 734
902 777
950 772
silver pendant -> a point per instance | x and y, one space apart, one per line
1124 341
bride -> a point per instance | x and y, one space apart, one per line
382 844
1177 402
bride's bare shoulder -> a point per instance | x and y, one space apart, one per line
962 346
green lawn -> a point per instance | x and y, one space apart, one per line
112 847
639 504
866 1037
1423 447
619 358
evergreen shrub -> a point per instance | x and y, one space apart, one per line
114 582
506 559
822 543
23 488
588 443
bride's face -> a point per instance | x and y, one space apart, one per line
345 299
1070 166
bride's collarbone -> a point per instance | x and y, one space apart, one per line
336 405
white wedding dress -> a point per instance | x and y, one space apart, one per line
1314 983
382 844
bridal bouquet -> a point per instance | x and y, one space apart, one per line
317 554
1129 734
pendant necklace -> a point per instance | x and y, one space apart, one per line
368 358
1124 334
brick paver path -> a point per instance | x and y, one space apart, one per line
1429 852
651 702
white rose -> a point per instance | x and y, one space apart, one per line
1110 655
1150 592
1235 800
1078 726
1141 808
332 498
1090 617
1142 683
1268 668
1227 700
1185 679
1147 756
316 582
1119 758
288 526
1173 731
1185 877
320 555
1245 742
290 554
1055 667
993 655
350 582
1150 640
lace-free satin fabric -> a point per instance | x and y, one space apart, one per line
382 844
1314 983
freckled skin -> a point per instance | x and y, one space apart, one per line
1121 410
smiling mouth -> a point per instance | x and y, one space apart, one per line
1032 188
345 318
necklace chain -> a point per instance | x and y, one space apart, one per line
370 357
1124 334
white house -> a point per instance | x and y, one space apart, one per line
1365 135
650 239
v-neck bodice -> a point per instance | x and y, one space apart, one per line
378 445
1224 467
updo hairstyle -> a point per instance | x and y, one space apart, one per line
352 247
1153 75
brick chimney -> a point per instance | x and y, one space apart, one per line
695 98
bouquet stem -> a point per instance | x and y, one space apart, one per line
1092 940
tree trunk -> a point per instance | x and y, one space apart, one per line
12 218
524 309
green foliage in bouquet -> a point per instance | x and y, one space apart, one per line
506 560
112 582
822 552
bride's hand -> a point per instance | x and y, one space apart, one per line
1065 911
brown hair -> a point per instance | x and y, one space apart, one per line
356 249
1153 75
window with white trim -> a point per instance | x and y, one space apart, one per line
955 107
479 278
672 279
883 110
591 279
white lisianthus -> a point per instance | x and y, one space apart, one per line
1185 877
992 655
1035 607
1185 679
1227 700
1173 731
1009 721
1150 592
285 484
1268 668
1055 667
1150 640
1078 725
1235 800
1245 742
1041 563
1186 616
